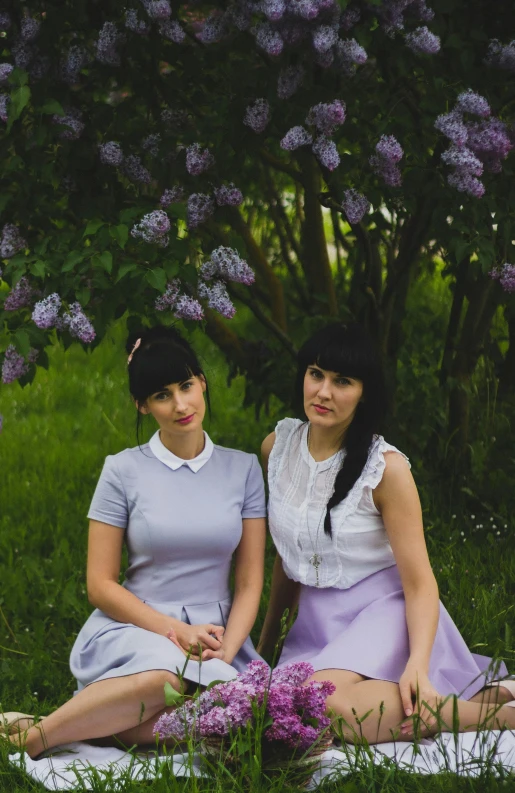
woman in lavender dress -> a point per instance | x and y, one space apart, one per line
345 517
185 509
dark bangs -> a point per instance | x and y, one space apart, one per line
164 362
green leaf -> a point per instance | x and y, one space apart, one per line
171 269
120 234
22 342
19 99
172 697
52 107
461 249
124 269
157 279
37 268
18 77
73 258
92 227
83 296
105 260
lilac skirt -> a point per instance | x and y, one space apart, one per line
363 629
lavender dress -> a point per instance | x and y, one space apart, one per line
181 529
356 618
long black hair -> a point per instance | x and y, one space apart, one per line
163 357
347 348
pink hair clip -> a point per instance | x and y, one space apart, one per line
136 345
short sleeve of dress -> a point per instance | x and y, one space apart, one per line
254 505
109 504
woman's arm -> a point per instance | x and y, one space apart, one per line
104 560
248 585
397 499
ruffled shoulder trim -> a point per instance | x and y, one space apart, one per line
370 476
283 432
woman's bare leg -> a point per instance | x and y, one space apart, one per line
105 708
356 696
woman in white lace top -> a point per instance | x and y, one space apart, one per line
346 520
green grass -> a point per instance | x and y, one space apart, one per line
56 434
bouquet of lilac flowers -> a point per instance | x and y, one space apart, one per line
281 718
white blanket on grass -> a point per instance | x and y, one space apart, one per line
468 754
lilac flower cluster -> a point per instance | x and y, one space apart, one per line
296 137
200 207
501 55
72 123
172 196
297 709
182 305
217 298
226 263
4 104
46 312
198 160
475 145
134 170
151 144
213 29
423 42
228 195
384 162
349 55
5 71
169 298
172 30
327 116
257 115
355 205
111 153
11 241
154 228
14 365
506 277
108 43
158 9
72 63
20 296
136 25
326 152
77 323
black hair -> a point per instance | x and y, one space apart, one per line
347 348
163 357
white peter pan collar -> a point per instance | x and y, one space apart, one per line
172 461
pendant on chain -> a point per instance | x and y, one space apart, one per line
316 561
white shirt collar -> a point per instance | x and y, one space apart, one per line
172 461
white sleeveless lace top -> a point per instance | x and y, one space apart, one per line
299 491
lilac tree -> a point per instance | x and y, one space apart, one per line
305 158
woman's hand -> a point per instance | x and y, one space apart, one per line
189 638
415 686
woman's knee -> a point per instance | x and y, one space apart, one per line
151 685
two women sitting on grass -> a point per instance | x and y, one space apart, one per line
345 517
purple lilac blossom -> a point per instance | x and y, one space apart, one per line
273 9
350 17
489 137
257 115
324 37
200 207
4 103
153 228
324 59
5 20
307 9
213 29
228 195
355 205
269 39
169 298
226 263
134 24
501 55
387 170
507 277
421 11
5 71
29 29
326 152
350 54
158 9
71 121
14 365
423 41
217 298
466 183
294 673
111 153
462 159
326 116
389 147
19 296
257 673
109 39
470 102
151 144
172 196
172 30
134 170
188 308
240 15
11 241
290 80
452 126
296 137
22 54
46 312
198 160
72 63
77 323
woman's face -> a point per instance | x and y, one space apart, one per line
179 408
330 399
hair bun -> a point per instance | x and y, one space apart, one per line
157 332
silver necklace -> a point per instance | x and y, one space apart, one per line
316 559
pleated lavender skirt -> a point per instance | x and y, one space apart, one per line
363 629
